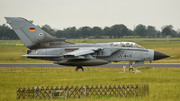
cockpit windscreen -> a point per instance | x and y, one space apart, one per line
125 44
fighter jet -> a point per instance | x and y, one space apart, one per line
46 47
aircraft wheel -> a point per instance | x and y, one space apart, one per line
79 68
131 69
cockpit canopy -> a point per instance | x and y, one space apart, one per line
125 44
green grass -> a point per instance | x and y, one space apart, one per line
164 83
10 53
10 42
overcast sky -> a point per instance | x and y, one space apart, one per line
61 14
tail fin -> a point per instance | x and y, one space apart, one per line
30 34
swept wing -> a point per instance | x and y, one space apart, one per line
83 51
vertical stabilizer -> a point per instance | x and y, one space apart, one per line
30 34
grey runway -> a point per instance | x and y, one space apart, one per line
116 65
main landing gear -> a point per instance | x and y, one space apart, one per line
79 68
130 66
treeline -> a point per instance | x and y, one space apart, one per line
7 33
115 31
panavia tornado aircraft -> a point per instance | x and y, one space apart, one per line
46 47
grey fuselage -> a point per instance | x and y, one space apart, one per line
108 53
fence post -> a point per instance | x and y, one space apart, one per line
85 92
67 91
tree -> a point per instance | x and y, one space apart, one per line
174 33
158 34
78 33
107 32
140 30
123 30
59 34
96 32
48 29
131 32
151 31
7 33
85 31
167 30
70 32
119 30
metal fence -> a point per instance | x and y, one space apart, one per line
82 91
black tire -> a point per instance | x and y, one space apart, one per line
79 68
131 69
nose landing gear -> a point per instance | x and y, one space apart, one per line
130 65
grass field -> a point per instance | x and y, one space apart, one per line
164 83
10 53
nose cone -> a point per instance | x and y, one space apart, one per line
159 55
